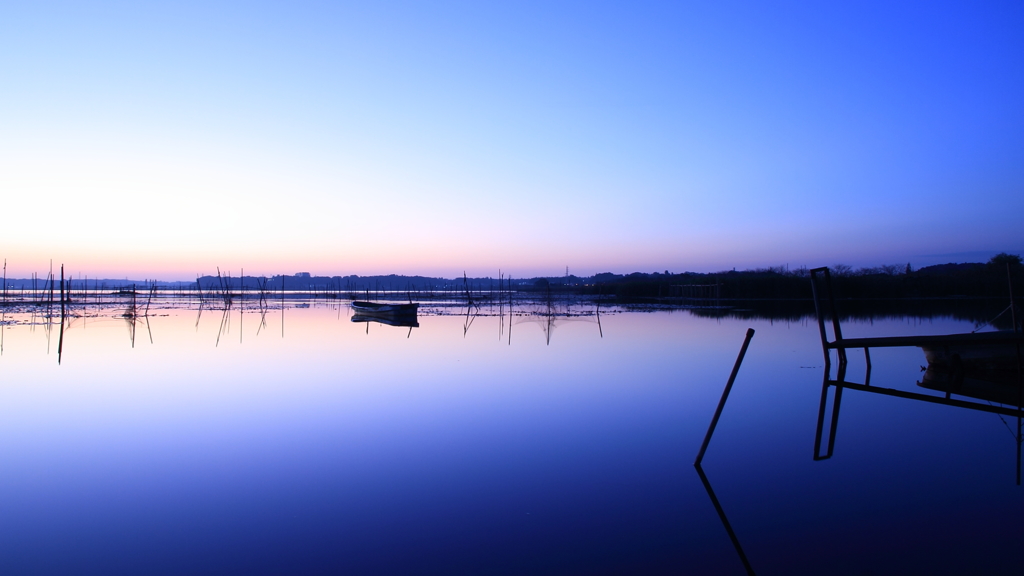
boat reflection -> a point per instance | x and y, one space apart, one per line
1000 386
401 320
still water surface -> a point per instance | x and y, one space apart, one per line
341 447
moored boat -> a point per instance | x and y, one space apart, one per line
983 351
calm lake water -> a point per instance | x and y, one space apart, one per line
222 446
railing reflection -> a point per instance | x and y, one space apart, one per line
992 392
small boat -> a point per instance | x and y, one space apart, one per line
981 365
378 309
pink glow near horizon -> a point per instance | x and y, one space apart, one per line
341 141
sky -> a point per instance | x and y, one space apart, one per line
164 140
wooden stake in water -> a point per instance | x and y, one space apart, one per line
725 397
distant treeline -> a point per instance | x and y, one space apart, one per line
896 281
940 281
304 282
44 283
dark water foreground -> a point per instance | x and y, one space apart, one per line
235 443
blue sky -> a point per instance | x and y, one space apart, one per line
440 137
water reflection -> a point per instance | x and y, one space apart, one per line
984 371
725 519
983 366
707 441
551 314
405 321
471 455
978 311
137 312
472 311
997 386
1000 397
225 324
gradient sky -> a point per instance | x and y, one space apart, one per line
165 139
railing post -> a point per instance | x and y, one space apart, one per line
836 330
818 313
